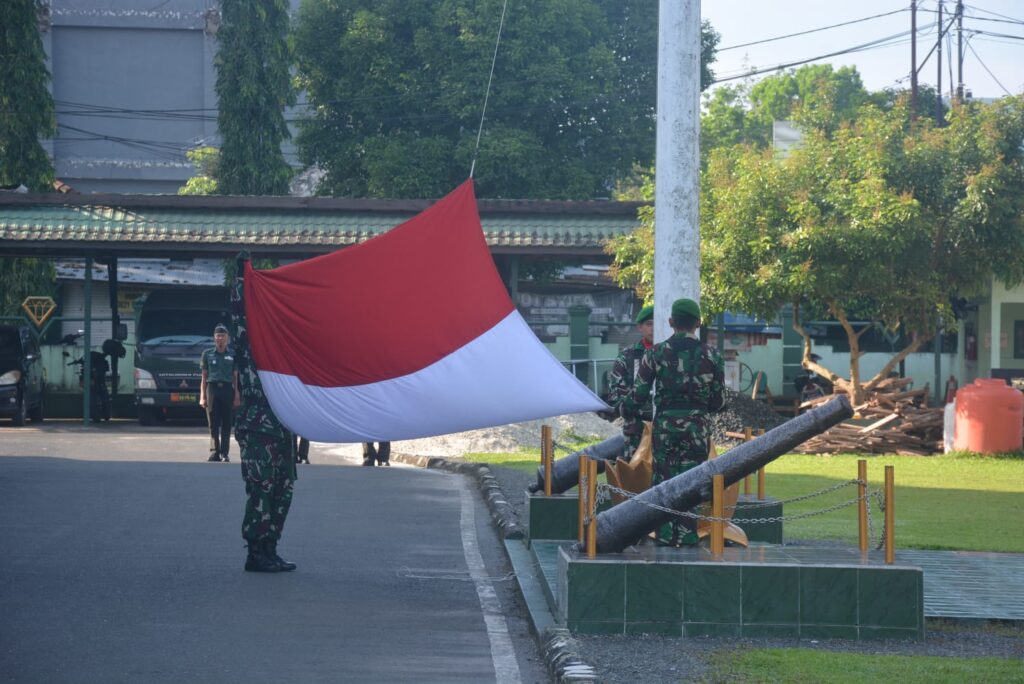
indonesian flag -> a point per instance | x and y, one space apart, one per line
410 334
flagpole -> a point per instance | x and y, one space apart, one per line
677 162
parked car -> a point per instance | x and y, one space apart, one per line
21 375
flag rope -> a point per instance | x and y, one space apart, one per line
487 93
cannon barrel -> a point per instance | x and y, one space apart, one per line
565 471
622 525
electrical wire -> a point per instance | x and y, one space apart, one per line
815 30
989 71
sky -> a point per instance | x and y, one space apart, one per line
881 66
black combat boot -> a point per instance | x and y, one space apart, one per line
214 458
257 560
270 551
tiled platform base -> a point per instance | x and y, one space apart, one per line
749 507
761 591
556 516
553 517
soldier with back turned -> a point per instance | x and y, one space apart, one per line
687 381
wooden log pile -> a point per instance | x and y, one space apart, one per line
901 423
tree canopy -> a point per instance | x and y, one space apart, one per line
253 88
877 216
26 106
396 88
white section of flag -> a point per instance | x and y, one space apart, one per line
505 375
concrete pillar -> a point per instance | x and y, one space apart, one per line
996 324
87 343
579 339
677 236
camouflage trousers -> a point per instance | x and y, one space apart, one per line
679 445
268 468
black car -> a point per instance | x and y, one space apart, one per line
21 375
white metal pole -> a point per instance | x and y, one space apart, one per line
676 218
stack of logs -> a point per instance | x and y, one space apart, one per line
901 423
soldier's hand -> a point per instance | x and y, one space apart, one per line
202 401
238 400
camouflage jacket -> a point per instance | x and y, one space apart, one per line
687 379
255 414
621 378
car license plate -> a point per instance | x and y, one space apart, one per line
184 396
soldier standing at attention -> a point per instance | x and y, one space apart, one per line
620 380
268 462
218 393
687 379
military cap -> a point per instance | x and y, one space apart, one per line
221 328
646 314
685 307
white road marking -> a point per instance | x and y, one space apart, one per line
506 669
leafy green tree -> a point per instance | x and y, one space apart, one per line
253 88
21 278
26 106
816 94
878 217
206 160
396 88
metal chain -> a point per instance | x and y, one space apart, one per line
881 507
804 497
697 516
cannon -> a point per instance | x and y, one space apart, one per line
565 471
624 524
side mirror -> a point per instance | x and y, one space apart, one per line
121 332
65 354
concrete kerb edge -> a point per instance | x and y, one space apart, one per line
560 650
502 512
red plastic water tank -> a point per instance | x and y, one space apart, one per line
989 417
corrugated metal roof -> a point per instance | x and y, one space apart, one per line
532 225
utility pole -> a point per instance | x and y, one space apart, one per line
677 162
938 82
959 51
913 60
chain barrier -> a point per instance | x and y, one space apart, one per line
803 497
607 489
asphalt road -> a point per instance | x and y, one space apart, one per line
121 561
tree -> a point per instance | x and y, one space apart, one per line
744 113
21 278
396 88
253 87
878 217
26 106
206 160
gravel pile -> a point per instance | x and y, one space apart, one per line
508 438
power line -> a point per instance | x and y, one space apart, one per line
815 30
881 42
997 14
983 66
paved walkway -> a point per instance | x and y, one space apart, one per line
957 584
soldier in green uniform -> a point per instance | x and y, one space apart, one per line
218 392
687 380
620 380
268 461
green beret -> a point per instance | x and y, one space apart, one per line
646 314
685 307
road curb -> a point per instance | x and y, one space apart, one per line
502 512
559 649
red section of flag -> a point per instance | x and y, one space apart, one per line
381 309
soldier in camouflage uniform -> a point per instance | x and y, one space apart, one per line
620 380
268 462
687 379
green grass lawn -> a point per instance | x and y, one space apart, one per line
953 501
806 665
